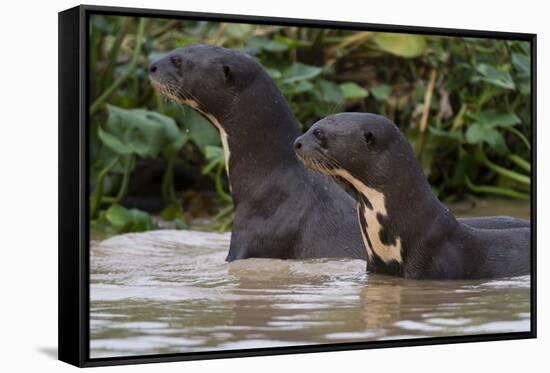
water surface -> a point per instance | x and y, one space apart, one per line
171 291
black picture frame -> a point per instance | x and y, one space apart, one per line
73 250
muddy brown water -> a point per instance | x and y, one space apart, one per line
170 291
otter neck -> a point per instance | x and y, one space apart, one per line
257 134
392 221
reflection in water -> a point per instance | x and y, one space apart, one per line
171 291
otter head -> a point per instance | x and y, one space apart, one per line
360 145
368 152
205 77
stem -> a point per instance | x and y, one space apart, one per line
219 187
520 178
96 200
165 28
425 112
458 122
520 135
113 53
520 162
487 189
133 63
223 227
224 212
124 185
167 186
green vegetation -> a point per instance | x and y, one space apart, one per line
463 103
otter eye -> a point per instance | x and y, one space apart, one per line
319 134
369 138
176 61
227 72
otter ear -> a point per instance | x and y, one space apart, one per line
227 73
369 138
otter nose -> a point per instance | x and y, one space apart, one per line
297 144
152 68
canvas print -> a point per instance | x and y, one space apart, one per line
263 186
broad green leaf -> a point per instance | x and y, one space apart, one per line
352 91
330 92
495 77
273 73
299 71
450 135
172 212
477 134
403 45
238 30
113 143
198 128
139 131
213 152
128 220
215 156
522 63
117 215
303 86
491 118
381 92
267 44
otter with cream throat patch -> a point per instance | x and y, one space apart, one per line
406 230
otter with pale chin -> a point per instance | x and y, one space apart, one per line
282 209
406 230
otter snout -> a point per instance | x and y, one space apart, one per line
169 65
299 147
298 144
306 146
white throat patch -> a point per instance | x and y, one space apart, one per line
386 252
192 103
217 124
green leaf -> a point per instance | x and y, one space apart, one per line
238 30
303 86
273 73
198 128
353 91
477 134
491 118
495 77
215 157
403 45
172 211
449 135
485 129
140 131
299 71
522 64
330 92
213 153
267 44
113 143
381 92
128 220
